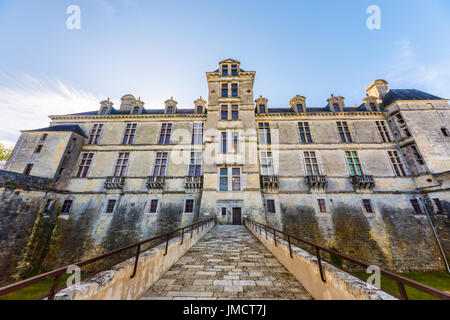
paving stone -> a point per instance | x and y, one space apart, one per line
229 263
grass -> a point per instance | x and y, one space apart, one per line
35 291
439 281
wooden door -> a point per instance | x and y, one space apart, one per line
237 216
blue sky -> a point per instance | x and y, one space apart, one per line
159 49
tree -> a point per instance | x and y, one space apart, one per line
5 152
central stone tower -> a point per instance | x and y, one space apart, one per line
231 164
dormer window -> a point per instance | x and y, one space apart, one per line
262 108
373 107
136 110
336 107
234 70
234 90
225 90
225 70
104 110
169 110
199 109
300 108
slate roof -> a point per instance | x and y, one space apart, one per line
407 94
61 128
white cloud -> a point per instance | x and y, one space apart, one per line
410 72
26 102
106 8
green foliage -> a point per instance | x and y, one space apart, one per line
5 152
335 259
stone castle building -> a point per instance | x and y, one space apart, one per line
361 179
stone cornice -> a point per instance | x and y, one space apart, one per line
122 116
320 114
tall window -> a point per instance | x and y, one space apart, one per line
344 132
111 206
225 90
305 132
197 133
300 108
236 179
267 164
195 168
438 205
189 206
353 163
235 136
153 206
322 207
85 165
225 70
262 108
160 164
224 113
234 113
166 131
67 206
223 179
122 164
397 163
417 155
416 206
44 137
28 169
402 125
234 90
368 205
234 70
130 132
312 168
38 148
223 142
271 206
96 132
264 133
384 133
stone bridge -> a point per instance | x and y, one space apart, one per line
223 262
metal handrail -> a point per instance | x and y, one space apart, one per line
57 274
401 281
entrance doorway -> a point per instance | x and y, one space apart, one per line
237 216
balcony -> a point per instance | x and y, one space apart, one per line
193 182
317 182
115 182
270 182
363 182
156 182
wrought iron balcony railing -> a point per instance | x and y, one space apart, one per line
115 182
193 182
156 182
270 182
317 182
365 182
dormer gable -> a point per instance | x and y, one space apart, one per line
229 68
298 104
336 103
138 107
171 106
105 107
261 105
200 106
372 104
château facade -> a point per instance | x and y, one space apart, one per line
361 179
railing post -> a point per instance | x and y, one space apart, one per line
265 228
290 249
182 236
275 237
402 290
167 244
138 252
54 287
192 231
319 260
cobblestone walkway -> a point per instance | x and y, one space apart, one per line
228 263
